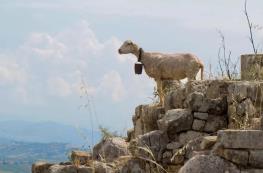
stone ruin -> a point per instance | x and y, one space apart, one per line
210 126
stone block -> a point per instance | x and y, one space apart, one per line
175 121
239 157
198 125
241 139
201 115
251 170
256 158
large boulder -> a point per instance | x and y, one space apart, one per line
145 118
208 164
175 121
155 141
198 102
110 149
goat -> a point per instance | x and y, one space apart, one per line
162 66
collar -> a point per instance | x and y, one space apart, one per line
140 55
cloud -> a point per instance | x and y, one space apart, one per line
112 84
57 63
58 86
10 72
45 46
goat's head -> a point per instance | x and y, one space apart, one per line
128 47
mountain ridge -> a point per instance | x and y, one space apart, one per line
47 132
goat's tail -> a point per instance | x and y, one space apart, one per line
202 70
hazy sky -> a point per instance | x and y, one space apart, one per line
47 47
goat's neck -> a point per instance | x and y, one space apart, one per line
147 62
137 53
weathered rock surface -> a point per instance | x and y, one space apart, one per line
175 100
80 157
63 169
101 167
251 171
156 141
85 169
238 139
185 137
192 147
41 167
215 123
110 149
246 107
239 157
208 164
256 158
145 119
198 125
201 115
178 134
176 120
130 135
131 166
208 142
256 124
197 102
173 145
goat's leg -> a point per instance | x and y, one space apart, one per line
160 92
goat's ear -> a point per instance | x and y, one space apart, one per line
129 42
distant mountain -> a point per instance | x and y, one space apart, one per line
17 157
47 132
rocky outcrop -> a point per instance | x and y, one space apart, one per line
189 134
110 149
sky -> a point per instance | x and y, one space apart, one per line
59 60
